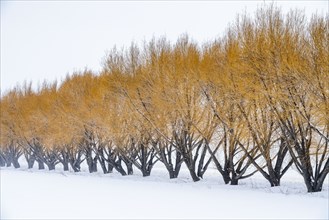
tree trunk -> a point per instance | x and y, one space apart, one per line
195 178
234 181
171 173
191 167
130 168
75 167
92 164
30 163
110 168
146 172
202 167
176 171
103 166
41 165
120 169
2 161
75 160
318 187
16 163
8 164
226 176
274 182
51 166
165 155
66 166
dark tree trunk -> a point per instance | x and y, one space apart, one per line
116 163
142 156
119 168
275 174
146 170
16 163
108 154
171 172
195 178
75 167
30 158
2 160
202 167
63 157
191 168
226 178
174 171
50 158
313 186
146 173
51 166
92 165
2 163
30 162
41 165
127 161
8 163
130 169
37 152
8 157
90 149
65 166
110 168
223 170
165 152
103 165
273 178
75 159
234 181
94 168
178 164
185 147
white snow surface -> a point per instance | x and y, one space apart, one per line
42 194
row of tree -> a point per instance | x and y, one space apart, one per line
255 100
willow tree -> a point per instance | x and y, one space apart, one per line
10 151
231 149
185 113
265 44
82 96
281 52
304 120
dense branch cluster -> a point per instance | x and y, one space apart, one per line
255 100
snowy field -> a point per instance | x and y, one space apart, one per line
34 194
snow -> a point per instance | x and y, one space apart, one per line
34 194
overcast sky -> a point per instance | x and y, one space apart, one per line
47 40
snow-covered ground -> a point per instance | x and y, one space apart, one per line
34 194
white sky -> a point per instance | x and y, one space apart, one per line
47 40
